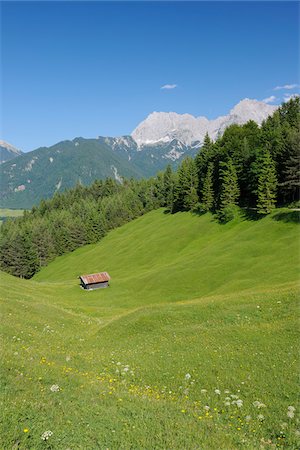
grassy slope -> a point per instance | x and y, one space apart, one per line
187 296
5 213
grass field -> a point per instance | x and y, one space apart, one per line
5 213
193 346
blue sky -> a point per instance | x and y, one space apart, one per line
97 68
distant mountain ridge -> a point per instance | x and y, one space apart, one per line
164 127
161 139
8 152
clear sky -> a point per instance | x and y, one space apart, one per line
97 68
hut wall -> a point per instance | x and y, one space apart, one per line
97 285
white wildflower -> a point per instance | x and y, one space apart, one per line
290 414
297 433
217 391
248 418
258 404
68 358
227 391
55 388
227 403
203 391
291 408
239 403
207 408
126 368
227 399
260 417
234 396
45 436
188 376
283 425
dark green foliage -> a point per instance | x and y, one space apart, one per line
186 197
227 213
281 134
208 192
169 187
230 191
19 256
267 184
202 159
291 167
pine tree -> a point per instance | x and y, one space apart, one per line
208 192
290 186
267 184
204 155
230 189
186 197
169 185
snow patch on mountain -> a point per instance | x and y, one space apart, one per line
29 165
162 127
58 185
116 174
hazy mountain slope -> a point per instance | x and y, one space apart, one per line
8 152
40 173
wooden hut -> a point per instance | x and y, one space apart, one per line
95 281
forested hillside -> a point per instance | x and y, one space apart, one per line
249 166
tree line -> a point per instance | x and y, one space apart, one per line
248 166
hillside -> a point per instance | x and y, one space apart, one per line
190 347
161 139
42 172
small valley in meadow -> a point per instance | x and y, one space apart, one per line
194 342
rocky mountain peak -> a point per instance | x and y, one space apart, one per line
166 126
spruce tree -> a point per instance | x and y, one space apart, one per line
169 185
267 184
208 192
290 184
230 189
186 197
204 155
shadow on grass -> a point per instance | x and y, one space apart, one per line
251 214
288 216
198 213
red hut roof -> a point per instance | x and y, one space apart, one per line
100 277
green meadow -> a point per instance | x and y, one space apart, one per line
6 213
193 346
